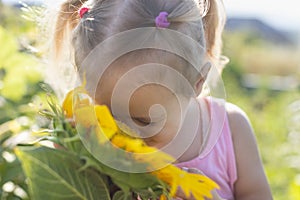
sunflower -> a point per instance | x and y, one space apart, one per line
79 106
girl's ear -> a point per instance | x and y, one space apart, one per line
199 85
203 75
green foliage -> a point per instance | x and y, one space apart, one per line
19 87
56 174
12 179
252 55
12 20
19 71
269 112
294 191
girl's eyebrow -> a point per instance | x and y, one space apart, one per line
142 118
157 118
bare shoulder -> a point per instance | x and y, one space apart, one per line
252 183
239 122
235 113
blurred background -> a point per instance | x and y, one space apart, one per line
262 40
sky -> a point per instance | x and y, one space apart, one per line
280 14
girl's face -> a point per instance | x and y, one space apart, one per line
159 115
152 110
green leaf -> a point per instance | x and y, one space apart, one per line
54 174
10 172
117 164
120 195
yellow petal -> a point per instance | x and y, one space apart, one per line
118 141
184 184
85 116
192 184
174 187
106 121
68 104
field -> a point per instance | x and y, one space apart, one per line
273 111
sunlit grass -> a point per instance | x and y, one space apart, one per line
270 117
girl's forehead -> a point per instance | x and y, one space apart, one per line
150 58
149 73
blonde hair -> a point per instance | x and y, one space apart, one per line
101 22
214 22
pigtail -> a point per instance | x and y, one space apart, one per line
62 19
214 22
67 19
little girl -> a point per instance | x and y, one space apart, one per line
148 61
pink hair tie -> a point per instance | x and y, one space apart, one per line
82 11
161 20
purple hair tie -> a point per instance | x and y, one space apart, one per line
161 20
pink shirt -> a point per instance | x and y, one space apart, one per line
217 160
